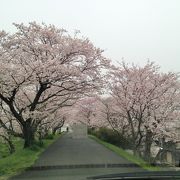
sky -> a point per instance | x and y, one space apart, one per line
132 30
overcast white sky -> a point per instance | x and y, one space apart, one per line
135 30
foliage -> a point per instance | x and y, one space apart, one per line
49 136
3 150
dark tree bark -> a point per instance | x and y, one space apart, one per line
59 126
148 143
55 130
28 133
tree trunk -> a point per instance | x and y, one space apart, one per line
40 136
148 143
54 131
11 147
135 148
29 133
46 132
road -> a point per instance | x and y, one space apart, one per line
69 159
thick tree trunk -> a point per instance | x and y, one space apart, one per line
29 133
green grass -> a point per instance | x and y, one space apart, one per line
22 158
3 150
126 155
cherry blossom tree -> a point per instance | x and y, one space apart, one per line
84 112
54 122
109 112
97 112
43 68
145 98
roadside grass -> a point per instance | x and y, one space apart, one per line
22 158
3 150
126 155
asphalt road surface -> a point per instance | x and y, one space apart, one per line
69 159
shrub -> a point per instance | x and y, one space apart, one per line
49 136
91 130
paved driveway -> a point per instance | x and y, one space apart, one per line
69 159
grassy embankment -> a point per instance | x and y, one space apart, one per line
17 162
126 155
